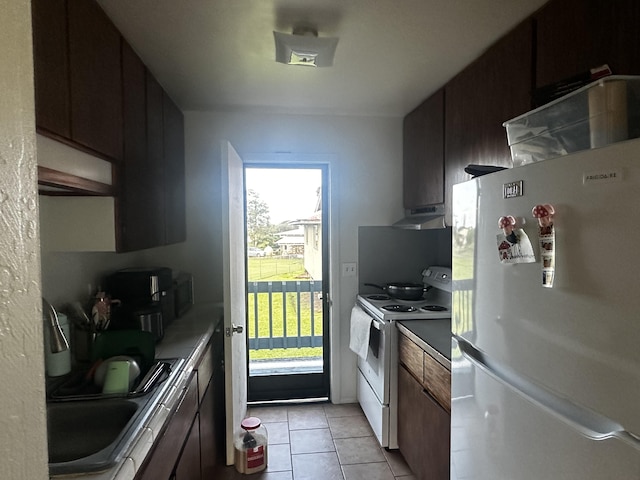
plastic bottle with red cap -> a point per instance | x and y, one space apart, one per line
251 446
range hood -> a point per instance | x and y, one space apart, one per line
423 218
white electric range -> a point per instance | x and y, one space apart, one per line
378 374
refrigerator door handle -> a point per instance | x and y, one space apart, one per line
588 422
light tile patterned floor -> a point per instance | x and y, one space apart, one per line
322 442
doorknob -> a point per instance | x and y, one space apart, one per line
234 329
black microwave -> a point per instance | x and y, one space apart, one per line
182 293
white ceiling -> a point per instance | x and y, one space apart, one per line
219 54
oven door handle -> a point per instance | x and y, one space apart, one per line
377 324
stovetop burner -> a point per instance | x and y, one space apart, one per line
400 308
435 303
434 308
378 297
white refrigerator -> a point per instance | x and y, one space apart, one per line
546 320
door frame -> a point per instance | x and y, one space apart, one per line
307 385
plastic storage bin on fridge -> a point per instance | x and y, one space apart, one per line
603 112
250 446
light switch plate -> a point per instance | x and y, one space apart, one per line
349 269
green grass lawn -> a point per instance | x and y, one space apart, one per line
275 268
281 269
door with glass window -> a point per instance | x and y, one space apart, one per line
287 283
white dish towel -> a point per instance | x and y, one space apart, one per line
360 325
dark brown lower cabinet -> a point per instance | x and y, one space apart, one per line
192 443
211 391
212 423
188 466
177 437
208 447
423 430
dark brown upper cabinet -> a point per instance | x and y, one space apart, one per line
51 67
493 89
95 79
174 172
423 153
135 174
573 36
151 200
78 79
155 161
95 94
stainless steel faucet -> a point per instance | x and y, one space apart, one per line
58 342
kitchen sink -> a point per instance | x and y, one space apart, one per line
93 435
80 429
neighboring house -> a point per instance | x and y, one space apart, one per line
291 242
312 227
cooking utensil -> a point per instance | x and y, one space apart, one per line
403 291
80 316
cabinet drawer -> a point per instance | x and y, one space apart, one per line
411 356
437 380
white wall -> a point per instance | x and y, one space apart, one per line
67 277
22 397
365 156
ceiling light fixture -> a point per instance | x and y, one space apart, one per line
304 47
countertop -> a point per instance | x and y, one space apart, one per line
186 338
433 336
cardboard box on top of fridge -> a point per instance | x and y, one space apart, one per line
603 112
